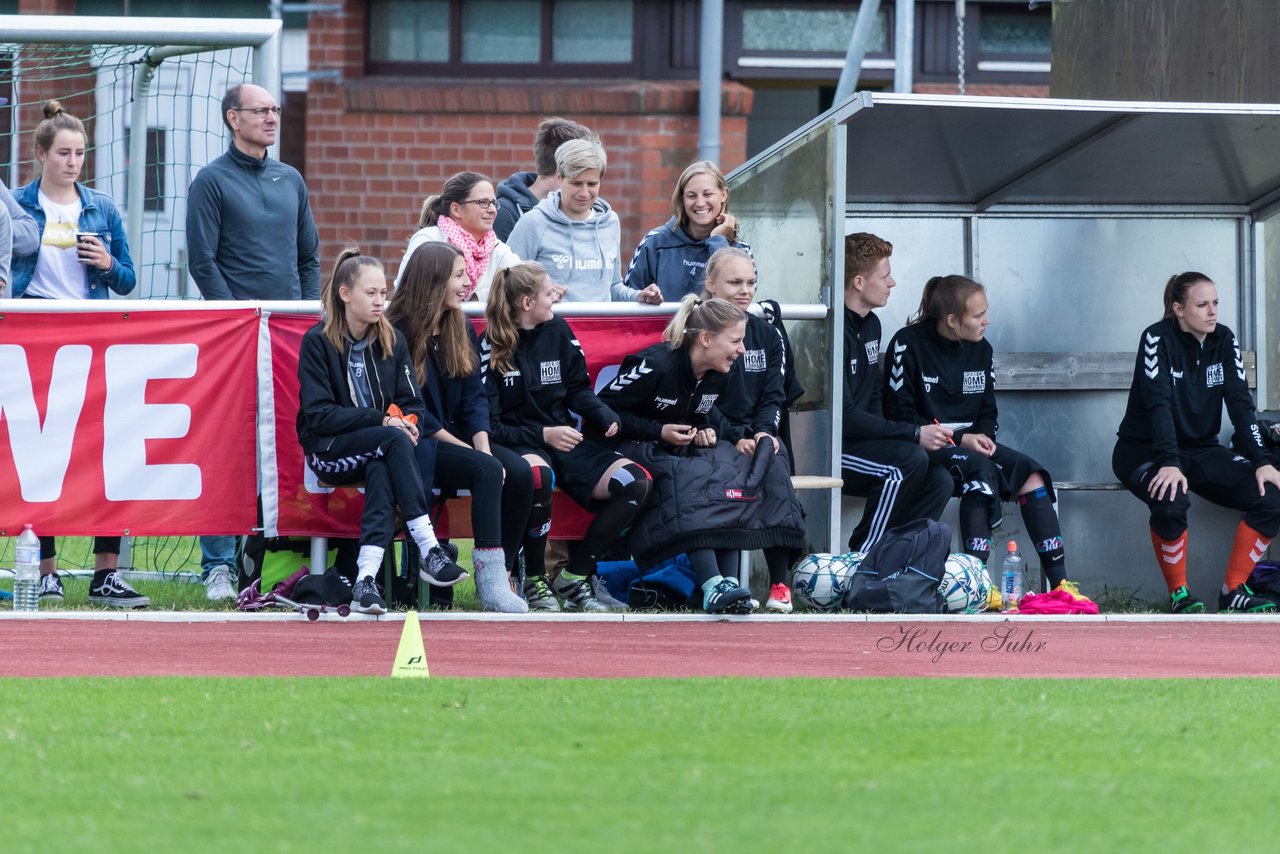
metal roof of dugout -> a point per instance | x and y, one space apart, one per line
1073 214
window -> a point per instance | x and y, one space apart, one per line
774 29
1005 33
501 36
777 40
153 197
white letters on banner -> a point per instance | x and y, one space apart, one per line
129 421
41 454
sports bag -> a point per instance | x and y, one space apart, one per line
901 573
1264 580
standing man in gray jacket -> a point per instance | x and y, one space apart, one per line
250 236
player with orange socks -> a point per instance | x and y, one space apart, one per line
1188 366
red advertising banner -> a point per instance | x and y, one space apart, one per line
302 508
127 422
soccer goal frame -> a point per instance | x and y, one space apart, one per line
169 37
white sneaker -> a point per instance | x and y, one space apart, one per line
218 586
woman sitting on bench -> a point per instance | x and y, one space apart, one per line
1188 365
455 452
941 373
357 420
754 402
535 373
712 501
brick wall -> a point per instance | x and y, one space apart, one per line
377 147
41 83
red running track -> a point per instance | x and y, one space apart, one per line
607 649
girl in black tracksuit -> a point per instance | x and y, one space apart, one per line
455 452
668 393
535 374
1187 366
754 398
358 409
940 371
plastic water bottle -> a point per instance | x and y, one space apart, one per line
1011 579
26 571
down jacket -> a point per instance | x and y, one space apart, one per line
714 498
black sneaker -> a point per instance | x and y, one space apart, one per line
1184 603
109 588
436 569
1242 601
50 588
366 599
726 597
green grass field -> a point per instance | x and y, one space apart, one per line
637 765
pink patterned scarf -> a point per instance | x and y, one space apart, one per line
475 253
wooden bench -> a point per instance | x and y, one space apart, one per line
1081 372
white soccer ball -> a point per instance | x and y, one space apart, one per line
965 584
819 581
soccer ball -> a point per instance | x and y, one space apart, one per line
965 584
819 581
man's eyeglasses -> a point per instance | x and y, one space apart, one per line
482 204
260 112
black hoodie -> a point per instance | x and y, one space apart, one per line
514 201
550 378
861 402
656 386
756 392
1179 386
930 378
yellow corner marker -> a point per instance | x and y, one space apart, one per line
411 656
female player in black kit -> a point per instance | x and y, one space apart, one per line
706 506
1188 365
535 373
755 397
940 371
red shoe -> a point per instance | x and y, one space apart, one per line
779 599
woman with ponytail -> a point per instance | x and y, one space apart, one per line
714 498
535 374
358 415
462 214
455 452
1188 366
941 373
81 254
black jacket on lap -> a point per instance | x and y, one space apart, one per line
714 498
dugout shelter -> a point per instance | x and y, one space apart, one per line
1073 214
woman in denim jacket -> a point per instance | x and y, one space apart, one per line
82 252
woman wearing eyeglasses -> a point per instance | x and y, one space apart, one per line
462 214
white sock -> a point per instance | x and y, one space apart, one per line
423 534
369 561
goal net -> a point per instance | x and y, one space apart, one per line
167 75
110 74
